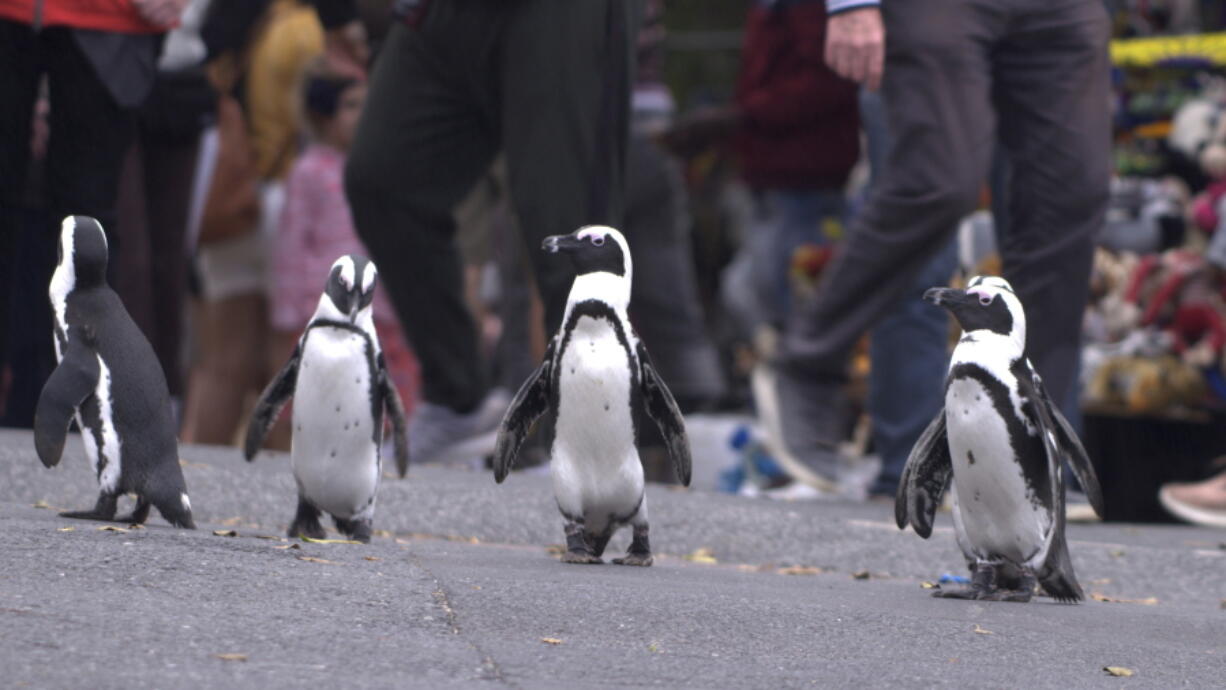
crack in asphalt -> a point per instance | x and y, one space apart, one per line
491 670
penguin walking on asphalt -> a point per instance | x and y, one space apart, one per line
1004 444
340 385
595 378
109 380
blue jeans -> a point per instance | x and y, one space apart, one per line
785 219
909 348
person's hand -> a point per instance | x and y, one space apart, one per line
699 130
855 46
163 13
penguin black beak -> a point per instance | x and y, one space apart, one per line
560 243
950 298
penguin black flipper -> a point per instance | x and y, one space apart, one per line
1069 444
271 402
662 408
1056 574
924 479
72 381
395 409
533 400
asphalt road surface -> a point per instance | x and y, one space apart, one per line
460 588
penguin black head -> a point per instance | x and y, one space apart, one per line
350 288
593 249
988 304
82 251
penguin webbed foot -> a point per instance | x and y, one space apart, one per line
580 545
639 552
640 559
103 511
1018 586
306 523
357 530
139 513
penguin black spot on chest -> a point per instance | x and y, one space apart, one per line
1026 449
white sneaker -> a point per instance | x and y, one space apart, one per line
435 429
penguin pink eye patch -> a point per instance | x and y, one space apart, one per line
985 297
595 236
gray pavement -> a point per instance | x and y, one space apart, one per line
459 588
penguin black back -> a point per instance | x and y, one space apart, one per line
136 401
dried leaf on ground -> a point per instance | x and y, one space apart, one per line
224 533
555 549
1148 601
701 555
40 503
373 558
288 546
861 575
929 585
982 631
330 541
231 657
1119 671
111 528
269 537
551 640
800 570
312 559
67 529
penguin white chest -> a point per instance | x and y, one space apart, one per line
595 464
334 452
998 514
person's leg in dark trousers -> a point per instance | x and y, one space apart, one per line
664 299
909 347
89 134
937 89
423 140
566 79
18 90
1051 89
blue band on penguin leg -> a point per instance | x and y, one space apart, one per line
306 522
983 583
639 552
579 544
103 510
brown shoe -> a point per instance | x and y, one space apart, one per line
1202 503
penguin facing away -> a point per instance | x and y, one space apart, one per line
594 379
109 380
1002 444
340 385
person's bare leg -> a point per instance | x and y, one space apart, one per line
231 335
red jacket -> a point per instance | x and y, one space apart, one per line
104 15
802 123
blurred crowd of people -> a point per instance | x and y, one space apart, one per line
232 149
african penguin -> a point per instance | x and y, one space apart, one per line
340 385
109 380
595 378
1003 443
